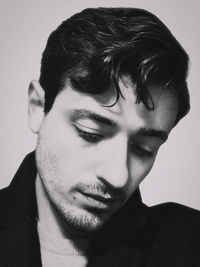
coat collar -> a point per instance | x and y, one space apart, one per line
21 242
19 200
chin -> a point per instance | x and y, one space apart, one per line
82 220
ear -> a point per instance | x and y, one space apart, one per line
35 106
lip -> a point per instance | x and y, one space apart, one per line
97 201
100 198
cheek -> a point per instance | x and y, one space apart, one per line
139 169
63 152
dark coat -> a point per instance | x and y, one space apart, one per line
166 235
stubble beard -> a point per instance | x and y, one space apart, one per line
73 219
79 219
70 215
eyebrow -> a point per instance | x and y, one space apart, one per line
162 135
78 114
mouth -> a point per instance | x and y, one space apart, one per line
98 201
100 198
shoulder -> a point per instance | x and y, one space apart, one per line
174 230
4 199
173 215
173 218
171 236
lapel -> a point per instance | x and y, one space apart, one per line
117 255
121 242
19 243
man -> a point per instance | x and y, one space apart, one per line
112 87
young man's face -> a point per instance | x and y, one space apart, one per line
91 157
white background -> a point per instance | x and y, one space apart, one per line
24 28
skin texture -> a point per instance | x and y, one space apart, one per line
88 169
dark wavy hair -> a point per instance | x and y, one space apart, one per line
94 48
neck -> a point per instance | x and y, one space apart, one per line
54 224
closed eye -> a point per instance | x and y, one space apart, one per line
89 137
141 151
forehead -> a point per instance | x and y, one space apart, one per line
126 112
162 99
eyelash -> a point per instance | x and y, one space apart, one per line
141 152
89 137
95 138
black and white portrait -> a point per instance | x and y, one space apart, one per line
99 108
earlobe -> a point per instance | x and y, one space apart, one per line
35 106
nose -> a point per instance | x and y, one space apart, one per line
113 167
